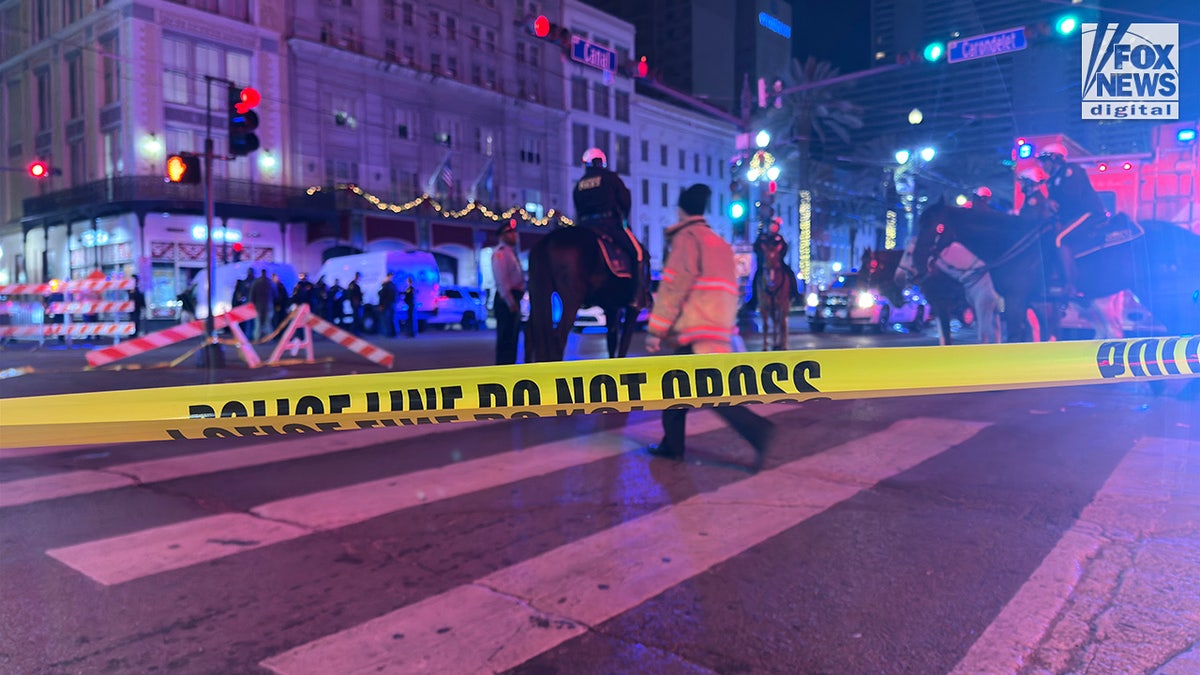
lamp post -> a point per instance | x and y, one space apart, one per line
904 176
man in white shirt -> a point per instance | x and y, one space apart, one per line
510 287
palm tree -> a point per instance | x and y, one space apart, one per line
816 110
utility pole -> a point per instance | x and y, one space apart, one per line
213 354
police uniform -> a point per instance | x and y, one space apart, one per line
602 201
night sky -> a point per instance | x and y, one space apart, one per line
837 31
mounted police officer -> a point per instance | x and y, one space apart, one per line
1074 201
603 202
768 240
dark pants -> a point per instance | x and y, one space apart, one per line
741 419
508 329
387 320
410 312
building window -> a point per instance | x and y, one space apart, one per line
603 140
17 117
646 192
579 93
489 41
73 10
176 66
43 101
622 106
389 10
622 151
535 55
646 151
78 170
484 141
389 49
476 33
489 78
600 99
696 163
452 66
451 28
410 55
682 160
75 86
114 164
41 19
476 75
520 51
579 141
708 160
406 14
663 154
665 198
435 63
435 22
406 124
531 150
111 69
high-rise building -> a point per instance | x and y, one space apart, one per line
707 48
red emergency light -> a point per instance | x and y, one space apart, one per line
1127 166
1102 167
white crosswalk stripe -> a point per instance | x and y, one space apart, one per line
508 617
140 554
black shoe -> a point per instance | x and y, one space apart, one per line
664 451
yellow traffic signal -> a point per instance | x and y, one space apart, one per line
183 169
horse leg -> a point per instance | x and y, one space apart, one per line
943 319
628 326
613 316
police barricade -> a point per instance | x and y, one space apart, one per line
338 403
67 310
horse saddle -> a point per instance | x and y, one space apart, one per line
617 254
1085 240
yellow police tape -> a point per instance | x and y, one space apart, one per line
339 403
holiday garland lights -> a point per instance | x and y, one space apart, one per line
514 212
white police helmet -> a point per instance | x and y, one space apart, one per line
1052 149
1033 174
594 154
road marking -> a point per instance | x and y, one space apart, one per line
1152 480
57 486
514 614
140 554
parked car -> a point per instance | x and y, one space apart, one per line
593 317
850 303
464 306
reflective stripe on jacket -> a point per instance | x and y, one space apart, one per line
697 298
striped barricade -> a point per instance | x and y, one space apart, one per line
90 307
351 342
170 336
74 286
121 329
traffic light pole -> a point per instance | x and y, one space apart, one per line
214 355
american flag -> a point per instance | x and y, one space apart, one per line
447 175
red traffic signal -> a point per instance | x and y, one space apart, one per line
39 169
243 120
237 251
250 98
642 68
771 187
541 26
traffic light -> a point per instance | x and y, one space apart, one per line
541 26
1066 24
39 169
237 251
934 51
243 120
183 169
738 212
642 68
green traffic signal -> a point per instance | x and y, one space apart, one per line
934 51
737 210
1066 24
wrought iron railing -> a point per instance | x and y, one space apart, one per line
129 189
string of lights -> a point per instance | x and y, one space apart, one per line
454 214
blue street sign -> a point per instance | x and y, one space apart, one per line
593 55
980 46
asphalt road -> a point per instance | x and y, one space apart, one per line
1028 531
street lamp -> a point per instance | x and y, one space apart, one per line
904 178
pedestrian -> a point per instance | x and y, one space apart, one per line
262 295
333 303
510 287
695 312
282 301
387 306
354 295
410 307
139 306
241 296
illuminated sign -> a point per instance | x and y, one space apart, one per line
774 25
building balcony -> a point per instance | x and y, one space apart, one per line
231 198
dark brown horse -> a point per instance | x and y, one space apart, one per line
568 262
775 286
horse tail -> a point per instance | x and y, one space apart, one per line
539 333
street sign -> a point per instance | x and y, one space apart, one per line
591 54
991 44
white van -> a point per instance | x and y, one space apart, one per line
374 266
225 278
